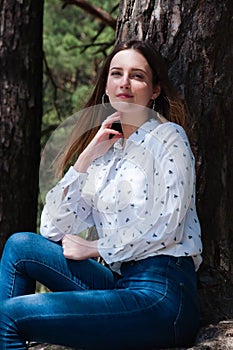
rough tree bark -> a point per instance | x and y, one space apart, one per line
20 113
196 37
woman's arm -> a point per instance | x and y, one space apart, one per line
100 144
65 210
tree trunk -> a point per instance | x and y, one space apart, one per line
196 37
20 114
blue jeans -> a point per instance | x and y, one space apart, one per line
153 304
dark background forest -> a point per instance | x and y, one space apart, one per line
50 53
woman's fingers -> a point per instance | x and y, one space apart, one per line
100 144
107 137
115 117
107 126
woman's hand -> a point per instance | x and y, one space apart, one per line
77 248
100 144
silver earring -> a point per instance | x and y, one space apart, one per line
103 101
154 104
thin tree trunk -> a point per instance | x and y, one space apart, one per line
20 113
196 37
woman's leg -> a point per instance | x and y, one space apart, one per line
92 320
29 257
154 306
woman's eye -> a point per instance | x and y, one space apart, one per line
115 73
138 76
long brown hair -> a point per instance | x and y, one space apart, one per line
168 103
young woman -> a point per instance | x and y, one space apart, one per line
137 187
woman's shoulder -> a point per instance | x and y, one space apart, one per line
170 129
170 126
170 136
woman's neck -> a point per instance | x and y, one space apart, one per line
130 123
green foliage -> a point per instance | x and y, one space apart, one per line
75 44
72 55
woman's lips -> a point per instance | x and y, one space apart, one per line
124 96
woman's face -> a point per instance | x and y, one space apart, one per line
130 79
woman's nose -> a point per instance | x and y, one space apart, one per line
125 82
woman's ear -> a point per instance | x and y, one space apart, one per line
156 91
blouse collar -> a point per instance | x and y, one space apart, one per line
138 135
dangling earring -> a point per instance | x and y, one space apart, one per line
103 101
154 104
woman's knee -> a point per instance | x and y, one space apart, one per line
19 242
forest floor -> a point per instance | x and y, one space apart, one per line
213 337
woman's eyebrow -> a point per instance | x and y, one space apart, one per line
116 68
133 69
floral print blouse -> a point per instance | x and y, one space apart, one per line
140 197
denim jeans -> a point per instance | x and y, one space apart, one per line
153 304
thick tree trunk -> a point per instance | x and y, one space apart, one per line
20 113
196 37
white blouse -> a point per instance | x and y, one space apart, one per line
140 197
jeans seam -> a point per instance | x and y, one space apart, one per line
179 311
13 283
100 315
116 314
80 285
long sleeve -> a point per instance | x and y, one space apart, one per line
65 210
